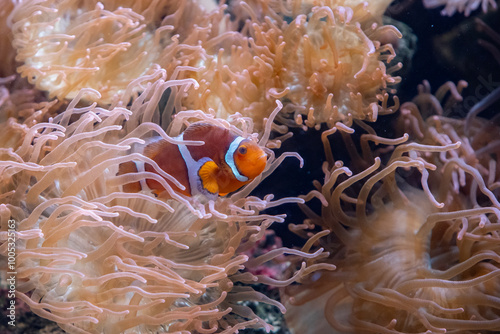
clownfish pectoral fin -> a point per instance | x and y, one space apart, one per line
207 173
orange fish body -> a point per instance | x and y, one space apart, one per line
223 164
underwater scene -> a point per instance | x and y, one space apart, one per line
256 166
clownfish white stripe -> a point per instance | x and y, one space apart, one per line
230 159
140 168
192 168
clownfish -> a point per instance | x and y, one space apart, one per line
223 164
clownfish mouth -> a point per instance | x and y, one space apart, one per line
262 160
255 167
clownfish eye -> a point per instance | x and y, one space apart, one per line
242 150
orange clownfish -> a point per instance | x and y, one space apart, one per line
223 164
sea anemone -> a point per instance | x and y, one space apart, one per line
96 259
104 45
461 6
325 63
8 53
414 234
411 257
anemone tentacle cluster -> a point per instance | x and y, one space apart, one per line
96 259
104 45
328 64
411 257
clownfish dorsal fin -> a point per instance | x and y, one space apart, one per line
207 173
200 130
